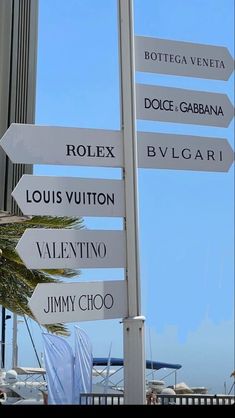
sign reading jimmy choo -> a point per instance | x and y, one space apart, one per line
69 196
83 301
66 248
168 104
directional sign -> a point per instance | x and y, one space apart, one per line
183 152
163 56
69 196
73 302
67 248
33 144
169 104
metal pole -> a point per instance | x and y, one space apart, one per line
3 338
133 326
14 343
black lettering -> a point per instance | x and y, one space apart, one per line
70 149
210 154
81 150
110 154
100 151
80 301
147 103
39 249
27 197
198 155
108 303
173 154
146 55
188 153
89 152
48 306
151 151
96 305
162 152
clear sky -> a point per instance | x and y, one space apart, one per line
186 221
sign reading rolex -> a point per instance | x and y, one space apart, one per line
35 144
168 104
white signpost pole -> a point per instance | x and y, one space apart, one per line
133 333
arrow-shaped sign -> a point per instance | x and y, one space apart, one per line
183 152
222 152
169 104
69 196
164 56
71 302
34 144
67 248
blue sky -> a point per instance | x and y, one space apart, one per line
186 217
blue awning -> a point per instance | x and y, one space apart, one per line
155 365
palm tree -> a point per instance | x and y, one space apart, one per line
17 283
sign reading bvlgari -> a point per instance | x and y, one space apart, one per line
168 104
67 248
183 152
72 302
182 58
34 144
69 196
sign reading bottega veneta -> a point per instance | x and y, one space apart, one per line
68 248
35 144
168 104
182 58
69 196
72 302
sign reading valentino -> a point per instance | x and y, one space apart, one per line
67 248
34 144
72 302
168 104
183 152
69 196
182 58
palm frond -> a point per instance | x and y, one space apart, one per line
16 281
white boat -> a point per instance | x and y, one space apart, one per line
27 385
22 385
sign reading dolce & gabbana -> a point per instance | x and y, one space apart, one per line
169 104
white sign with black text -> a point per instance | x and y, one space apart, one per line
69 196
168 104
183 152
35 144
84 301
71 248
188 59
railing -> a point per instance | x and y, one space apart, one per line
189 399
101 399
195 399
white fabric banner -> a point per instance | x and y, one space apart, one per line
83 364
59 365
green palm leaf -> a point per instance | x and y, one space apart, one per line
17 283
